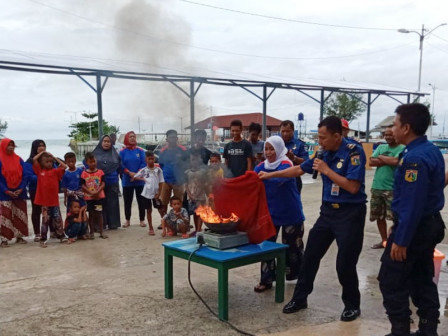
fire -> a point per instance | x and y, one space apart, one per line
209 216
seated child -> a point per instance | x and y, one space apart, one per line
176 220
93 186
71 182
153 177
196 186
76 222
47 194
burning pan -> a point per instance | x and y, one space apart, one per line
229 227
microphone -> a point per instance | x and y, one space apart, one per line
319 155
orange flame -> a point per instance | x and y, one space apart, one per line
209 216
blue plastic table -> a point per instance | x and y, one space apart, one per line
223 260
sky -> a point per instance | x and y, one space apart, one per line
324 42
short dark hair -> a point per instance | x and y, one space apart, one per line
255 127
149 153
171 131
332 123
175 198
89 156
74 201
43 157
69 155
286 123
236 122
416 115
200 133
215 155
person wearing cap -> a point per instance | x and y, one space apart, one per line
346 130
342 216
407 266
297 152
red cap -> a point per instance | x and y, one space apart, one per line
344 124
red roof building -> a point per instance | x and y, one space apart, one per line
223 122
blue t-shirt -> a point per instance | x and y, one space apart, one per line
173 162
132 160
72 179
348 161
418 187
284 203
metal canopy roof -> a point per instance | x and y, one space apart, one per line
195 82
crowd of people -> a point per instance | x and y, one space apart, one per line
407 189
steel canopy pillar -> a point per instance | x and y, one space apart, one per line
322 102
192 94
369 103
99 91
265 101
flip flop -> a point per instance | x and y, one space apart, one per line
127 224
377 246
151 233
261 288
142 224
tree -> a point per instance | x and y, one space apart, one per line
88 130
3 127
344 106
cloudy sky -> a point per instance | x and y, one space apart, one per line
322 42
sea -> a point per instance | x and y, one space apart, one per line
57 147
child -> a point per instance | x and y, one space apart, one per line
76 222
196 186
71 182
47 194
176 219
153 177
93 187
238 152
215 168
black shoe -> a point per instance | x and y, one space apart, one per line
159 227
295 306
350 314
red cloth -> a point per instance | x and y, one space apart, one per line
12 170
245 196
126 141
47 193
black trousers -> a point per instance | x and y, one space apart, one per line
413 277
345 224
128 196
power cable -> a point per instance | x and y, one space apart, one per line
203 48
285 19
242 332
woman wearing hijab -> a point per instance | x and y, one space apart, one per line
109 162
285 207
132 160
37 146
13 215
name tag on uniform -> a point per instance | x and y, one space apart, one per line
334 190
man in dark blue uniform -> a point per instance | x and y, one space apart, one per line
342 216
407 265
297 152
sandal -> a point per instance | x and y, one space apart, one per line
4 243
20 240
261 288
103 236
37 238
64 240
71 240
378 246
126 224
151 232
43 244
92 236
142 224
185 235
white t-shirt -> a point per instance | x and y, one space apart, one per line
152 176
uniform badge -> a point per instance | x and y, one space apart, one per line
355 160
411 175
351 146
339 165
401 162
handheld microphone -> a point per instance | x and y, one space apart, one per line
319 155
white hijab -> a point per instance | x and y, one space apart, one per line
280 152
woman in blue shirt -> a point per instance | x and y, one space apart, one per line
132 160
285 207
109 162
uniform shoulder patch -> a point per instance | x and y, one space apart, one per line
355 159
411 175
351 146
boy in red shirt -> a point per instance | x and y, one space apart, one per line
93 186
47 194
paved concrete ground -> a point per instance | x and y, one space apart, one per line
115 287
